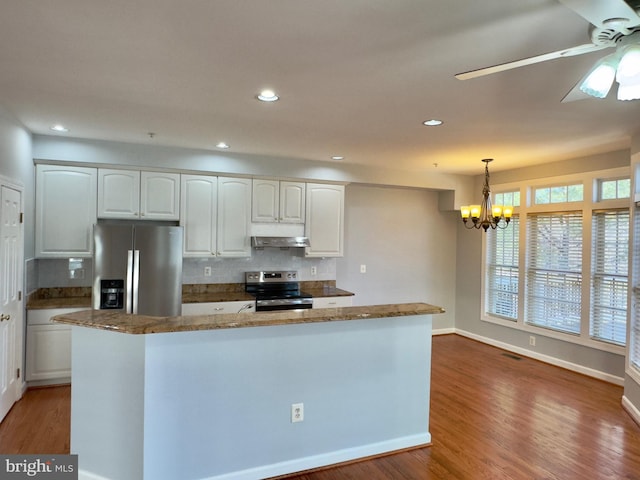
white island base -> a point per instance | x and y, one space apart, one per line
216 404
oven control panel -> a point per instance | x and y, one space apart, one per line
271 276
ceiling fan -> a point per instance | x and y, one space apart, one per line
614 23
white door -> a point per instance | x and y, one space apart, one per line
11 250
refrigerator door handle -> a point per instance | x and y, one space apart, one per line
136 279
129 287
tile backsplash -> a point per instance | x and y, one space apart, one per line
64 272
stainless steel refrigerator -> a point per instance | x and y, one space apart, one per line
138 269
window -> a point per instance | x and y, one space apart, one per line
502 270
562 264
609 279
508 198
559 194
554 274
634 351
614 189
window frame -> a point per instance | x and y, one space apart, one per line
589 204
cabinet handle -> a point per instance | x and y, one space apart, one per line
5 317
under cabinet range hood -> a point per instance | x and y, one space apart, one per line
280 242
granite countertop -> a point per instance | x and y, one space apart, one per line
71 297
59 297
143 324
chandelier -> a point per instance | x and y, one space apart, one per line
485 215
622 66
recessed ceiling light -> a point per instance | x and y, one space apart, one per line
59 128
337 157
268 96
222 145
432 123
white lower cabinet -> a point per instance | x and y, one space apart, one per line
48 346
332 302
215 308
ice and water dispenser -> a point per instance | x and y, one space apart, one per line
111 294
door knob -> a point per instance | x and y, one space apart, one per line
5 317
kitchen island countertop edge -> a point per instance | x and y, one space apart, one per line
117 321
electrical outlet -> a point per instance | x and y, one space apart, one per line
297 412
314 270
532 341
363 269
207 271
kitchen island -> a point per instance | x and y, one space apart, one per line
212 396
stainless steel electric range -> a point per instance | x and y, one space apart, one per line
276 290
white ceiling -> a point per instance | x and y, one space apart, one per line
355 77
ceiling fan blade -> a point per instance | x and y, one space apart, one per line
597 12
575 94
567 52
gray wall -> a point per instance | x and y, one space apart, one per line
16 164
74 150
407 245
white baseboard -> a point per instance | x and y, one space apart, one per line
84 475
325 459
443 331
607 377
306 463
631 409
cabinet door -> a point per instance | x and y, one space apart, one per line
234 217
159 196
198 214
48 352
332 302
265 201
217 308
118 193
65 211
325 220
292 202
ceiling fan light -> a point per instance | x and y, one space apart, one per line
629 91
599 81
629 66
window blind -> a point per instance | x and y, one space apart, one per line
609 278
554 271
634 351
502 270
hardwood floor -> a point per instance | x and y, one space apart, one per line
38 423
493 416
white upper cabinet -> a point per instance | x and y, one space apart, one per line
325 220
278 201
216 216
159 196
118 193
65 211
292 202
234 217
138 195
198 212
